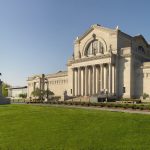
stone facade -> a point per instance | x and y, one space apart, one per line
104 60
57 83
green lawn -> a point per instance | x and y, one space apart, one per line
26 127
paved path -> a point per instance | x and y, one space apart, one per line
99 108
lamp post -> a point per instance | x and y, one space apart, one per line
106 91
46 82
99 86
99 94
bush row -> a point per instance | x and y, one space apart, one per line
130 100
109 105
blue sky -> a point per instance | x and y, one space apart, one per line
36 36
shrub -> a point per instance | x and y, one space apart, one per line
23 95
145 95
118 105
148 107
125 106
139 107
59 102
103 104
66 103
109 105
76 103
142 108
93 104
71 103
134 107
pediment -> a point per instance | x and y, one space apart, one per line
92 28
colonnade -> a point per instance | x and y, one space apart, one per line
93 79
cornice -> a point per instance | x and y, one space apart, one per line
89 58
56 75
34 77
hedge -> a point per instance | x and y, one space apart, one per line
101 104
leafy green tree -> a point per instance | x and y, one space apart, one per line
41 94
23 95
48 93
5 89
145 95
37 93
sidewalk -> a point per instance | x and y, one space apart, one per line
99 108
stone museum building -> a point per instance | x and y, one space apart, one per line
103 60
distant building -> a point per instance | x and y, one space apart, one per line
14 92
104 60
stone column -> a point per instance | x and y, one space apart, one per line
113 79
73 82
107 78
110 79
105 73
79 81
97 79
86 80
76 82
94 79
89 81
82 82
91 78
101 77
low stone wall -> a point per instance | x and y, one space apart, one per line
4 100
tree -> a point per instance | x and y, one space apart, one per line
145 95
41 94
37 93
5 89
48 93
23 95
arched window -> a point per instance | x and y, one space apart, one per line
94 47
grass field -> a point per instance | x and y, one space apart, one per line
27 127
